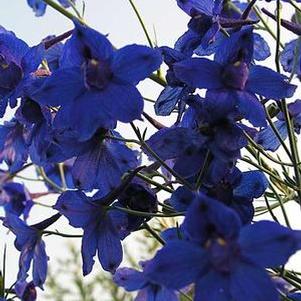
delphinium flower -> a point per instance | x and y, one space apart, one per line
232 78
267 137
100 232
133 280
99 83
16 199
221 257
100 161
29 242
206 22
39 6
17 62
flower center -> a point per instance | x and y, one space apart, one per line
236 75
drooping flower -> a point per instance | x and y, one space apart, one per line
29 242
100 233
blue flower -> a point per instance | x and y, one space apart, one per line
232 77
100 233
207 19
17 62
222 258
32 247
133 280
98 83
100 162
16 199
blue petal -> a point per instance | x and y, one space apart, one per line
109 246
89 247
170 143
12 48
39 264
167 100
249 283
269 244
189 41
61 88
24 234
267 138
123 101
261 48
199 73
181 198
251 108
207 218
38 6
134 63
252 185
238 47
130 279
75 206
213 287
166 294
33 58
268 83
84 116
103 166
26 256
177 264
288 58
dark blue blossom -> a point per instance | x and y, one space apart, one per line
17 62
16 199
99 83
32 247
222 258
100 233
133 280
232 78
100 162
206 22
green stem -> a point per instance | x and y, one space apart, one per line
63 11
141 23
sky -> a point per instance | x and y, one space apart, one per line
164 20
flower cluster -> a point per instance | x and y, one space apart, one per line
68 100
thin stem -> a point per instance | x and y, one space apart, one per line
46 232
152 182
63 11
146 214
141 23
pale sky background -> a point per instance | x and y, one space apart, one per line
116 18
